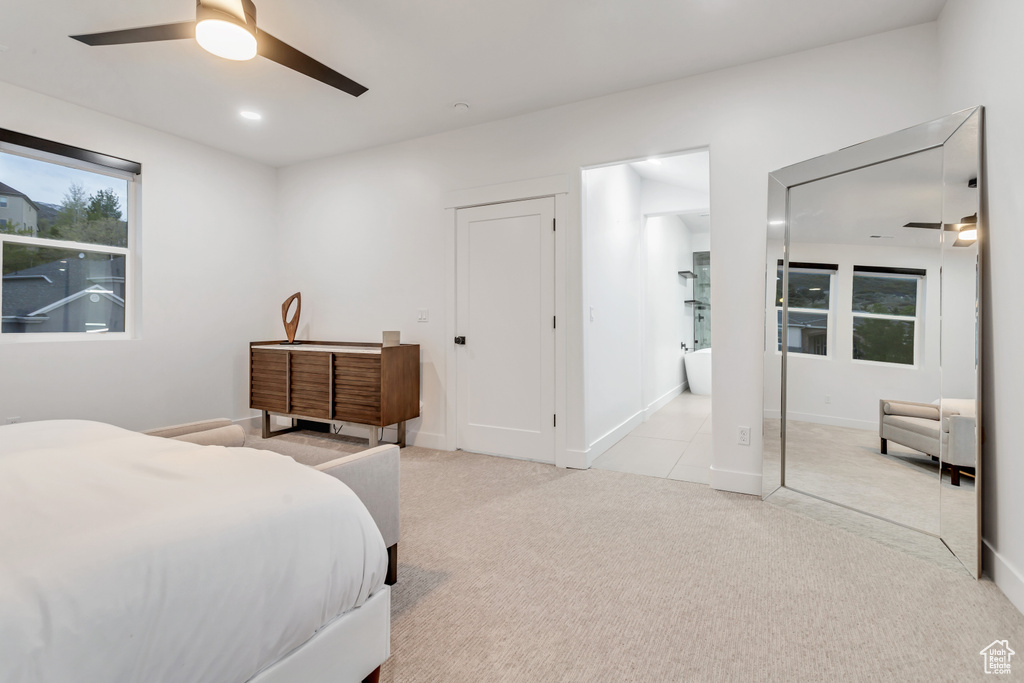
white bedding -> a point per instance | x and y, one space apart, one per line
130 558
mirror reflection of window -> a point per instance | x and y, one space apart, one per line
885 316
810 311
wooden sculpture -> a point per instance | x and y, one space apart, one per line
291 326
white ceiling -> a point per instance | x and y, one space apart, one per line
877 200
417 59
691 171
698 223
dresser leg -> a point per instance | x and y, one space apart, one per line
373 437
266 425
401 434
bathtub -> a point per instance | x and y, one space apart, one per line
698 371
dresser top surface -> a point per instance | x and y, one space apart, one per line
318 347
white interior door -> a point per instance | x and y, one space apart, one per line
505 295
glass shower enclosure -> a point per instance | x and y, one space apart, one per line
701 301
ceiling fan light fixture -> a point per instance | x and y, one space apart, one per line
227 39
225 32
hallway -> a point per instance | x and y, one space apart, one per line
674 443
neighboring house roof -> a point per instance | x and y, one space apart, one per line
9 191
95 289
33 289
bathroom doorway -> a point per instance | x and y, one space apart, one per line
647 297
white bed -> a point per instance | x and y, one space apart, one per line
126 557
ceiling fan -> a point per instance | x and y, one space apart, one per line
966 229
227 28
965 222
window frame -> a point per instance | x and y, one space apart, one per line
77 158
830 269
917 318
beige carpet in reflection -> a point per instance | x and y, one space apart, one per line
517 571
844 466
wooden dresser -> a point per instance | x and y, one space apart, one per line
366 384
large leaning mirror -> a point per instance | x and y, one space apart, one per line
872 330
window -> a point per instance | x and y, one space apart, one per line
810 309
885 314
67 238
3 202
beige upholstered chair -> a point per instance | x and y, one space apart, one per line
373 475
921 426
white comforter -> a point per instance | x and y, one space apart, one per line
128 558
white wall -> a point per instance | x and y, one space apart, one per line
613 262
959 297
207 241
369 229
855 387
660 198
981 54
701 242
668 321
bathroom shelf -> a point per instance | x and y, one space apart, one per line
687 274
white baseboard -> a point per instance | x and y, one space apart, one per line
737 482
426 440
576 459
867 425
1004 574
254 419
663 400
613 437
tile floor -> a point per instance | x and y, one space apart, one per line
675 443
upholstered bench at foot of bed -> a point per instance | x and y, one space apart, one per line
218 432
373 475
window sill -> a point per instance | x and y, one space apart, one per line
50 337
885 364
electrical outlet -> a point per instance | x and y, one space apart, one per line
13 420
423 315
828 398
744 436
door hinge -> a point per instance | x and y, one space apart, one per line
554 420
554 222
554 322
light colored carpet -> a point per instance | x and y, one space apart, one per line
517 571
844 466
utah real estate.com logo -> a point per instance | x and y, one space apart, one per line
997 657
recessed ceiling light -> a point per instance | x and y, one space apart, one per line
776 222
656 162
460 106
250 115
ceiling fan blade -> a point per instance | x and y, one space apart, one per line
277 51
928 226
145 34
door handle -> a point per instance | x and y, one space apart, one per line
460 340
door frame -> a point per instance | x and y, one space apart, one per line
537 188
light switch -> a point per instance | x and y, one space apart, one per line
423 316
